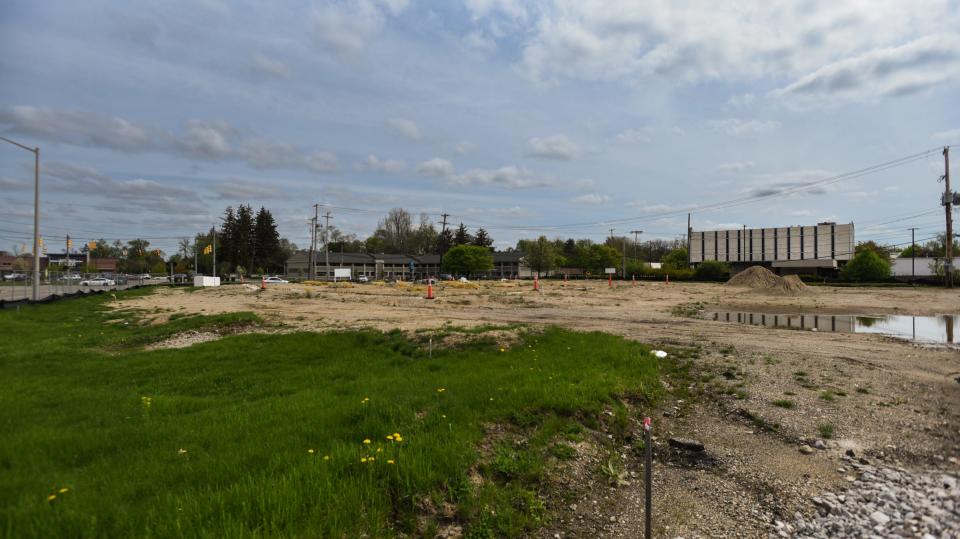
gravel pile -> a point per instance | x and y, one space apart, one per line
883 502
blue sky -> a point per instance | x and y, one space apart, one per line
563 118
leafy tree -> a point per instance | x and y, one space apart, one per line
482 239
425 237
539 254
228 249
595 257
676 259
395 231
882 251
867 265
462 236
468 259
242 240
712 270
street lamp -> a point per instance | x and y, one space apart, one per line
36 214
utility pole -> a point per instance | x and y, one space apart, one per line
913 254
623 263
948 204
214 231
636 242
689 239
312 271
326 244
36 214
443 238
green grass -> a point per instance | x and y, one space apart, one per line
827 395
247 409
783 403
825 430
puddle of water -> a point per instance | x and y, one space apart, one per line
930 329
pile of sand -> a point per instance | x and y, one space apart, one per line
763 281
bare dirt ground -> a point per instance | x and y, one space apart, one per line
889 401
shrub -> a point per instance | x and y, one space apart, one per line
712 270
676 259
867 265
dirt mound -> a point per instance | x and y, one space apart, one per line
763 281
755 277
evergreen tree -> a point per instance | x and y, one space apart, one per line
482 239
462 237
227 238
268 253
244 238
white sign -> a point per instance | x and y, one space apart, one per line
610 270
341 273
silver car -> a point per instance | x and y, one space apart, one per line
98 281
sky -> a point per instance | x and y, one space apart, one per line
558 117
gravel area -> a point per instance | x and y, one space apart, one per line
883 502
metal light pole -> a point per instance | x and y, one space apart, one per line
36 215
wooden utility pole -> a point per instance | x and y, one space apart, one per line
948 204
326 244
913 254
312 270
443 239
636 243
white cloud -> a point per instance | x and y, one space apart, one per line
480 41
890 71
243 190
436 167
591 199
510 177
396 6
511 8
464 147
347 28
950 135
375 164
552 147
739 101
208 140
644 207
585 185
269 66
404 127
699 40
634 136
738 166
321 161
81 128
737 127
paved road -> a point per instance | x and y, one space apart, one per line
23 290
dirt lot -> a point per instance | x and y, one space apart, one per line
887 400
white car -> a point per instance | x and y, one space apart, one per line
98 281
363 279
275 280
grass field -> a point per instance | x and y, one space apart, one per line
287 434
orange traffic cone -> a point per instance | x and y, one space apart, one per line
564 277
668 278
610 280
263 283
430 291
634 279
536 283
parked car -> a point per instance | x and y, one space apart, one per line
98 281
446 277
15 277
363 279
275 280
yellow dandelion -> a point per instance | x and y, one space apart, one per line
441 389
503 350
389 436
310 451
372 459
366 441
326 457
491 398
397 439
390 461
63 490
396 434
51 497
444 416
379 450
363 460
181 451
